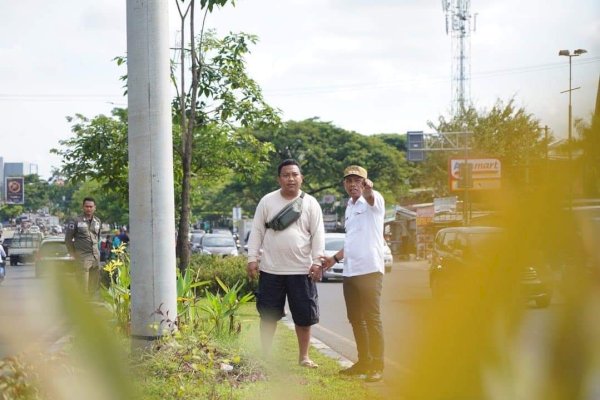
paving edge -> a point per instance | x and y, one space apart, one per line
322 347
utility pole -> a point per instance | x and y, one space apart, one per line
567 53
151 193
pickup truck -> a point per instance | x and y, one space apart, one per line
23 247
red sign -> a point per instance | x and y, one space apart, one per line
15 190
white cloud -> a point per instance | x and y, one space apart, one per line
369 66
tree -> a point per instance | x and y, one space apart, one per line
323 151
505 132
207 144
589 145
10 211
393 139
98 151
36 193
221 95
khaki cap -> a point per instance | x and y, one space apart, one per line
355 170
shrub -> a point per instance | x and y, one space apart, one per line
230 270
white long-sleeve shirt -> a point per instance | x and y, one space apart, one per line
293 250
363 247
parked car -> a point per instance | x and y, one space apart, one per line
218 244
457 250
53 257
195 238
221 231
333 243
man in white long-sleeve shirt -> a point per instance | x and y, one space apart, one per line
290 263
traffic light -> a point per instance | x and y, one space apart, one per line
416 144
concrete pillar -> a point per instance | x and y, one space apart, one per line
151 193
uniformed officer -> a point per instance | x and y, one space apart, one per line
82 237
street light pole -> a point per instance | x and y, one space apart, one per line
567 53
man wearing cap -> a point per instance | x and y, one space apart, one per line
363 271
290 261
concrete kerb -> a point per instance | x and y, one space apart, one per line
321 347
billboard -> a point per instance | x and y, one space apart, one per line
15 190
485 174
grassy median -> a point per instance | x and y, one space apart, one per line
185 371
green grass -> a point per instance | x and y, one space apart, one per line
99 360
190 369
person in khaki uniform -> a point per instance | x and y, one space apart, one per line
82 237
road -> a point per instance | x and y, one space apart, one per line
405 296
28 315
406 303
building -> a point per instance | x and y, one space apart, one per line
10 169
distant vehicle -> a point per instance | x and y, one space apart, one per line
218 244
34 229
221 231
195 238
334 242
6 240
23 247
458 251
53 257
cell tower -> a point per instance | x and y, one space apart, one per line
458 21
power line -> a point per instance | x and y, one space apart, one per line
118 100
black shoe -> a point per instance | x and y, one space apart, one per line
356 369
374 376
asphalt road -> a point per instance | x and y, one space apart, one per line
29 317
405 304
405 295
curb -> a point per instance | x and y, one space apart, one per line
322 347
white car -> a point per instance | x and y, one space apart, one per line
222 245
334 242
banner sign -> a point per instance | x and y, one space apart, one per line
486 173
15 190
483 168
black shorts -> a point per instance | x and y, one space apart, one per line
301 293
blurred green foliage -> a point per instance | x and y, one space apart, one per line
230 270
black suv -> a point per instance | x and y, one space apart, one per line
458 250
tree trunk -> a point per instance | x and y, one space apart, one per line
187 133
184 220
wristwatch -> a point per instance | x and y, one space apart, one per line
335 258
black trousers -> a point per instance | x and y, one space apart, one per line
363 298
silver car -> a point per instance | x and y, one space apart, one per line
223 245
334 242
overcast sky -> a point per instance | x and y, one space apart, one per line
370 66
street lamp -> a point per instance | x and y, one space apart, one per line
567 53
